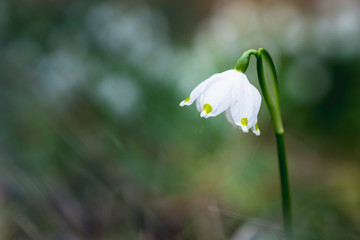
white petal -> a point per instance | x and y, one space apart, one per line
198 90
255 129
217 95
245 108
204 115
256 106
242 106
200 101
229 117
257 133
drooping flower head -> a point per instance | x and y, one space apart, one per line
229 92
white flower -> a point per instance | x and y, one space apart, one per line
229 92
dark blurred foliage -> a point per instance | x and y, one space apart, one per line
94 145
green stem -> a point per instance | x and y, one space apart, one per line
269 87
285 186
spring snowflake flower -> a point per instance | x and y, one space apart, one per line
229 92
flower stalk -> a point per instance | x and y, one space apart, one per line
269 87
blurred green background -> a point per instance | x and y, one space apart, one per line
93 144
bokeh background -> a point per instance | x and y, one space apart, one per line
93 144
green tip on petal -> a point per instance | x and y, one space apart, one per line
207 108
244 121
186 100
256 127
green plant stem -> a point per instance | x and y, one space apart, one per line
285 186
269 87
